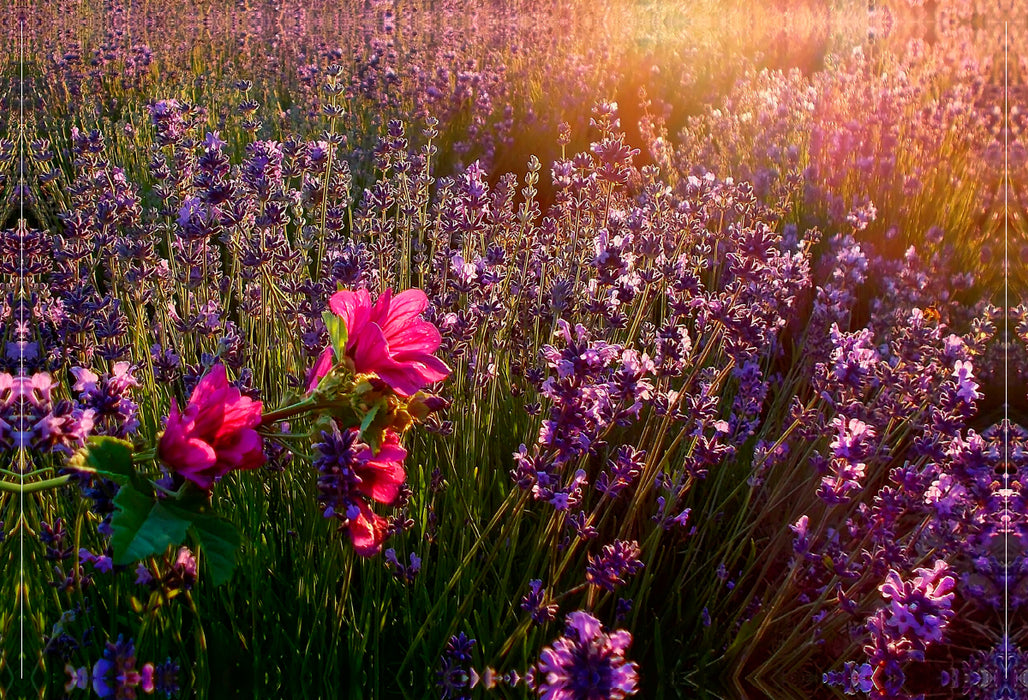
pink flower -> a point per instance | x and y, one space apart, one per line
382 474
215 434
387 338
368 529
379 479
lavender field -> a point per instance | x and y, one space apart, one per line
559 349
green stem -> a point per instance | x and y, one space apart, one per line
288 411
35 485
144 456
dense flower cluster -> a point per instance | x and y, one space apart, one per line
917 613
585 664
616 563
31 419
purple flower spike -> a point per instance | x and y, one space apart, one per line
585 664
617 562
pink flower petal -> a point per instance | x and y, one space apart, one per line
383 473
243 450
354 308
406 307
371 351
421 336
367 531
193 458
321 367
404 379
379 313
431 368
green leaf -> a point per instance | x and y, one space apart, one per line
369 417
110 457
219 540
143 527
337 333
131 510
193 500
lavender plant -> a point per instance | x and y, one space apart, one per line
709 386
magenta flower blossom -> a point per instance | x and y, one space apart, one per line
585 664
214 434
387 338
378 479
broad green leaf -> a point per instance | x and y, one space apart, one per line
131 509
143 527
110 457
219 541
